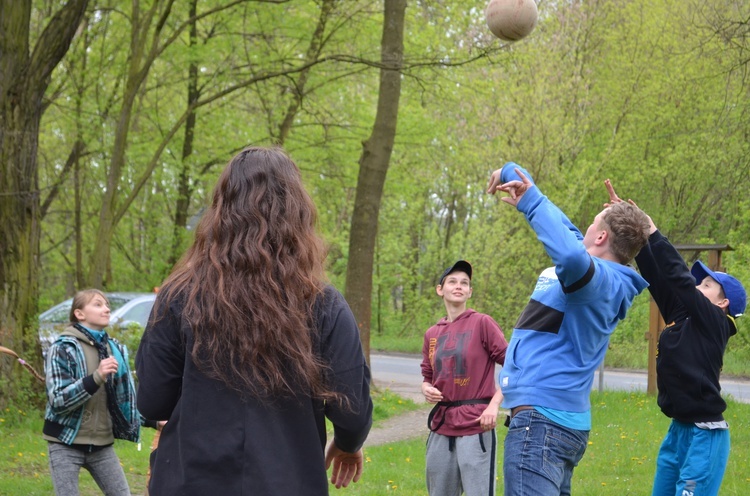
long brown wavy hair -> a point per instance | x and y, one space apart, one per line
250 280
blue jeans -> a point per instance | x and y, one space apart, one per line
540 455
65 464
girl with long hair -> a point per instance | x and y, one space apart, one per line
249 350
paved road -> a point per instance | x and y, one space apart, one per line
402 374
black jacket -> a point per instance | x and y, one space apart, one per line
691 348
217 443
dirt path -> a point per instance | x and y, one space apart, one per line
406 426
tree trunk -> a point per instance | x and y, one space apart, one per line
313 53
143 51
373 167
186 181
24 77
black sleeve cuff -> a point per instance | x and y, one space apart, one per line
153 424
90 385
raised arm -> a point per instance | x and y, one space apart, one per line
561 239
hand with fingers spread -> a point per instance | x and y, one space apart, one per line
515 188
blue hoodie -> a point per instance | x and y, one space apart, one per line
562 334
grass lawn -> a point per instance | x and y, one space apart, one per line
24 468
620 459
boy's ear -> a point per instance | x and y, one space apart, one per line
723 304
439 290
602 237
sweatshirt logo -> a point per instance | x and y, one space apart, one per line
449 356
547 279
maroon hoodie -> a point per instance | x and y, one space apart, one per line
459 358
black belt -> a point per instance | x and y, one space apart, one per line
450 404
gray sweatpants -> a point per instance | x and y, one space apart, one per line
65 464
470 466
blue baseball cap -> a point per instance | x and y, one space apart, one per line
733 289
461 265
508 173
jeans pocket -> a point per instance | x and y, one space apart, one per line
563 450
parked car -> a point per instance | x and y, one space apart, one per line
125 308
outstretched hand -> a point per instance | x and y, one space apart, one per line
495 182
614 198
514 188
347 467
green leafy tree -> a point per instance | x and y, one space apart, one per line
373 167
25 68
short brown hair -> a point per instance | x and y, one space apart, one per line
628 228
81 299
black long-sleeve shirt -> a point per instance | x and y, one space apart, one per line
217 443
691 348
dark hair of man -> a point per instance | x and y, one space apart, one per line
628 226
251 278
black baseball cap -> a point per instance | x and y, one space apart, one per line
461 265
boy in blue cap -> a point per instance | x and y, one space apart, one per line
561 336
700 307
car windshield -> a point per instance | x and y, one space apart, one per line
139 313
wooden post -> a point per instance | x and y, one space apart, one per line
714 260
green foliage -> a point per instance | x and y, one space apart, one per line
27 391
650 94
130 337
387 404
